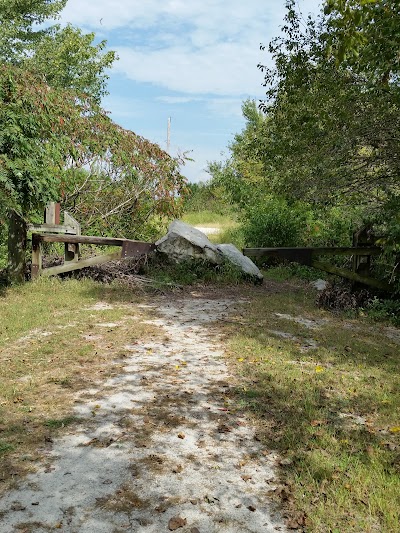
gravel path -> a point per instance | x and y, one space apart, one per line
159 449
208 230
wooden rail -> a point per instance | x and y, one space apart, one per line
307 256
129 248
313 252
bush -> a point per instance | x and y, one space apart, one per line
275 224
334 226
385 310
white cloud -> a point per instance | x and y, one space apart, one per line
225 69
204 51
190 46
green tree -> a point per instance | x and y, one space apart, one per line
21 23
365 34
52 125
69 58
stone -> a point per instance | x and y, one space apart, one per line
319 284
230 253
183 242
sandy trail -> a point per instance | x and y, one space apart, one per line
158 449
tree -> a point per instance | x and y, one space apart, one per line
69 59
332 136
52 127
364 33
22 27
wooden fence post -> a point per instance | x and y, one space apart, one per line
36 257
71 250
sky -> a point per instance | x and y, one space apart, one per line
192 61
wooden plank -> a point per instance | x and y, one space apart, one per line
71 252
69 220
83 263
50 213
353 276
83 239
261 252
52 228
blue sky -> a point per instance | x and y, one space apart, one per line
193 61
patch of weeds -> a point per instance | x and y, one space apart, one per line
62 381
56 423
233 235
331 412
381 310
194 271
285 272
5 447
123 500
208 218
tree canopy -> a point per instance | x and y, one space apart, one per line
328 134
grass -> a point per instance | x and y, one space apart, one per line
52 344
229 228
332 412
293 271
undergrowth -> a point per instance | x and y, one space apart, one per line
192 271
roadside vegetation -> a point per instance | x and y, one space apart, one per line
313 164
324 392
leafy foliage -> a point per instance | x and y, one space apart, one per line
364 34
48 134
22 26
68 58
56 142
327 136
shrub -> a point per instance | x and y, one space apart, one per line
275 224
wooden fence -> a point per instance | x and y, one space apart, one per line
309 256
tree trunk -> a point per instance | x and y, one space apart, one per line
17 231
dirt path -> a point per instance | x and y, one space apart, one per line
158 449
209 230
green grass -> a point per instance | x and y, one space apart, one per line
229 228
293 271
60 422
342 470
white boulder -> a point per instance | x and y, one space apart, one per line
184 242
230 253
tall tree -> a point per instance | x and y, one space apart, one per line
51 125
365 33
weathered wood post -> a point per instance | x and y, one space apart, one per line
52 213
17 230
36 257
361 264
71 250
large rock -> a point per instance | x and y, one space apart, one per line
230 253
184 242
